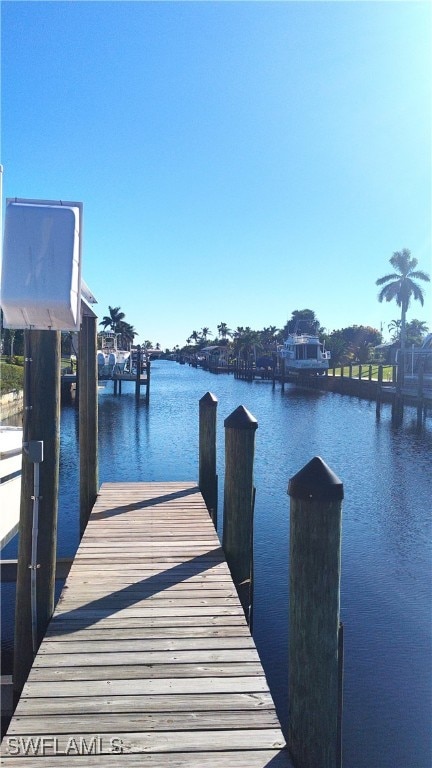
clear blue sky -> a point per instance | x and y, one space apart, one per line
236 160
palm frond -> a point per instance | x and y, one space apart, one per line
390 292
419 275
387 278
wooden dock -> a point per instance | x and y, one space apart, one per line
148 659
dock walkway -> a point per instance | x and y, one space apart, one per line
148 660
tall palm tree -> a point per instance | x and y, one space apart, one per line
113 320
223 330
401 286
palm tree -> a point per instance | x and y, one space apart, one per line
401 286
205 332
127 334
223 330
415 331
113 320
394 328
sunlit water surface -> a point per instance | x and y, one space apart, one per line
386 595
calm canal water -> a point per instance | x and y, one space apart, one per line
386 594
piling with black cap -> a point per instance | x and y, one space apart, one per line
239 492
208 483
314 725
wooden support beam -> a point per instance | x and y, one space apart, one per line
41 423
88 418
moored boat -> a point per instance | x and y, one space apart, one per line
304 353
110 359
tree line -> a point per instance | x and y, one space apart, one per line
353 343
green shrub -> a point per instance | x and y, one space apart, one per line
11 377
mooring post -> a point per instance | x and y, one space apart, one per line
88 417
41 424
379 392
208 482
148 380
240 428
420 394
77 373
138 372
314 725
398 397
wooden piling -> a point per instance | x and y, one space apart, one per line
314 657
148 380
41 423
240 428
138 372
88 417
398 399
208 483
379 392
420 398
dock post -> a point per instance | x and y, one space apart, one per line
148 381
378 392
398 398
88 418
420 394
138 373
42 424
208 482
239 495
314 723
77 373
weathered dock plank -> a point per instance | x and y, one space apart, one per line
148 659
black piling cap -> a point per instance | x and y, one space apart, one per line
316 482
241 418
208 399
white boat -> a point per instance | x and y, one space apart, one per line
110 359
304 353
11 439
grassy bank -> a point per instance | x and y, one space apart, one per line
387 372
